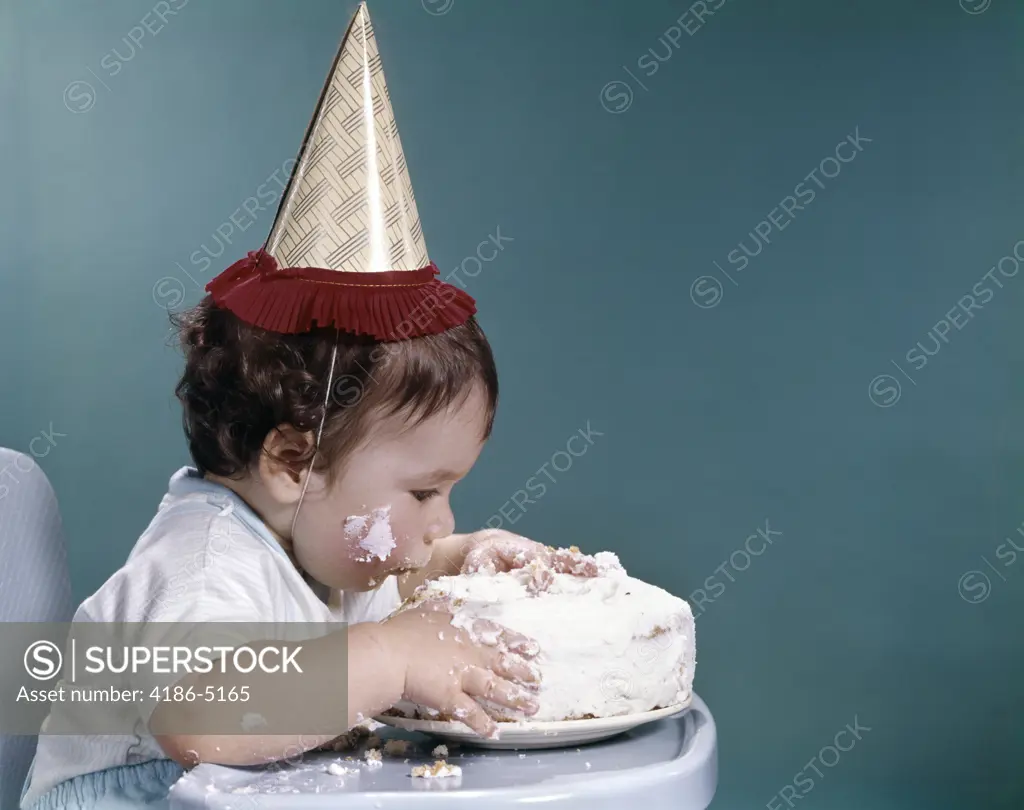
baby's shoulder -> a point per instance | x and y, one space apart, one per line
195 561
203 530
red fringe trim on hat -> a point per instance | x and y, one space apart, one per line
389 306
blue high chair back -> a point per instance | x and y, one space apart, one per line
35 584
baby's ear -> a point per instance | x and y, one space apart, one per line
285 459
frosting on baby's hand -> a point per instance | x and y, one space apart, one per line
496 551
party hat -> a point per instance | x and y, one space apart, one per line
346 248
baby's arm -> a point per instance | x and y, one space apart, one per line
417 655
375 683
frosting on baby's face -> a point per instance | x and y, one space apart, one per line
391 500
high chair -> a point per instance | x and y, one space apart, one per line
35 584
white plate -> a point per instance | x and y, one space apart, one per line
554 734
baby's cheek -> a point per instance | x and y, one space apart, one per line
408 541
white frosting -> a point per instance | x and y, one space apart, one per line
609 645
355 525
377 539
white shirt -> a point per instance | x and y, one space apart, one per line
205 557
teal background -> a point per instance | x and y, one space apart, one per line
713 420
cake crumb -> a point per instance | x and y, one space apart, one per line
440 752
587 764
374 758
396 748
337 769
351 738
439 770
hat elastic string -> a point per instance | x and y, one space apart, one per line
319 433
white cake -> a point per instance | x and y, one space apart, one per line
609 645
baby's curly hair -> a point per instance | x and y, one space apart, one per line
241 382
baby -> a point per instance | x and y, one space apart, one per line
334 393
264 529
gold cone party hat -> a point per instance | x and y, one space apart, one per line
346 248
351 205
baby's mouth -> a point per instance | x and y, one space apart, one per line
408 567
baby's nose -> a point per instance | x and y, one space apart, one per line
438 530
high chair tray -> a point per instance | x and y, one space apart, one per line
670 763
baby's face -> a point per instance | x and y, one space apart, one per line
391 500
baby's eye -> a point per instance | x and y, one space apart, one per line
424 494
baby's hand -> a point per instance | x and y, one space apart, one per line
495 550
446 669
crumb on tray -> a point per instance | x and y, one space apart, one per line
396 748
439 770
